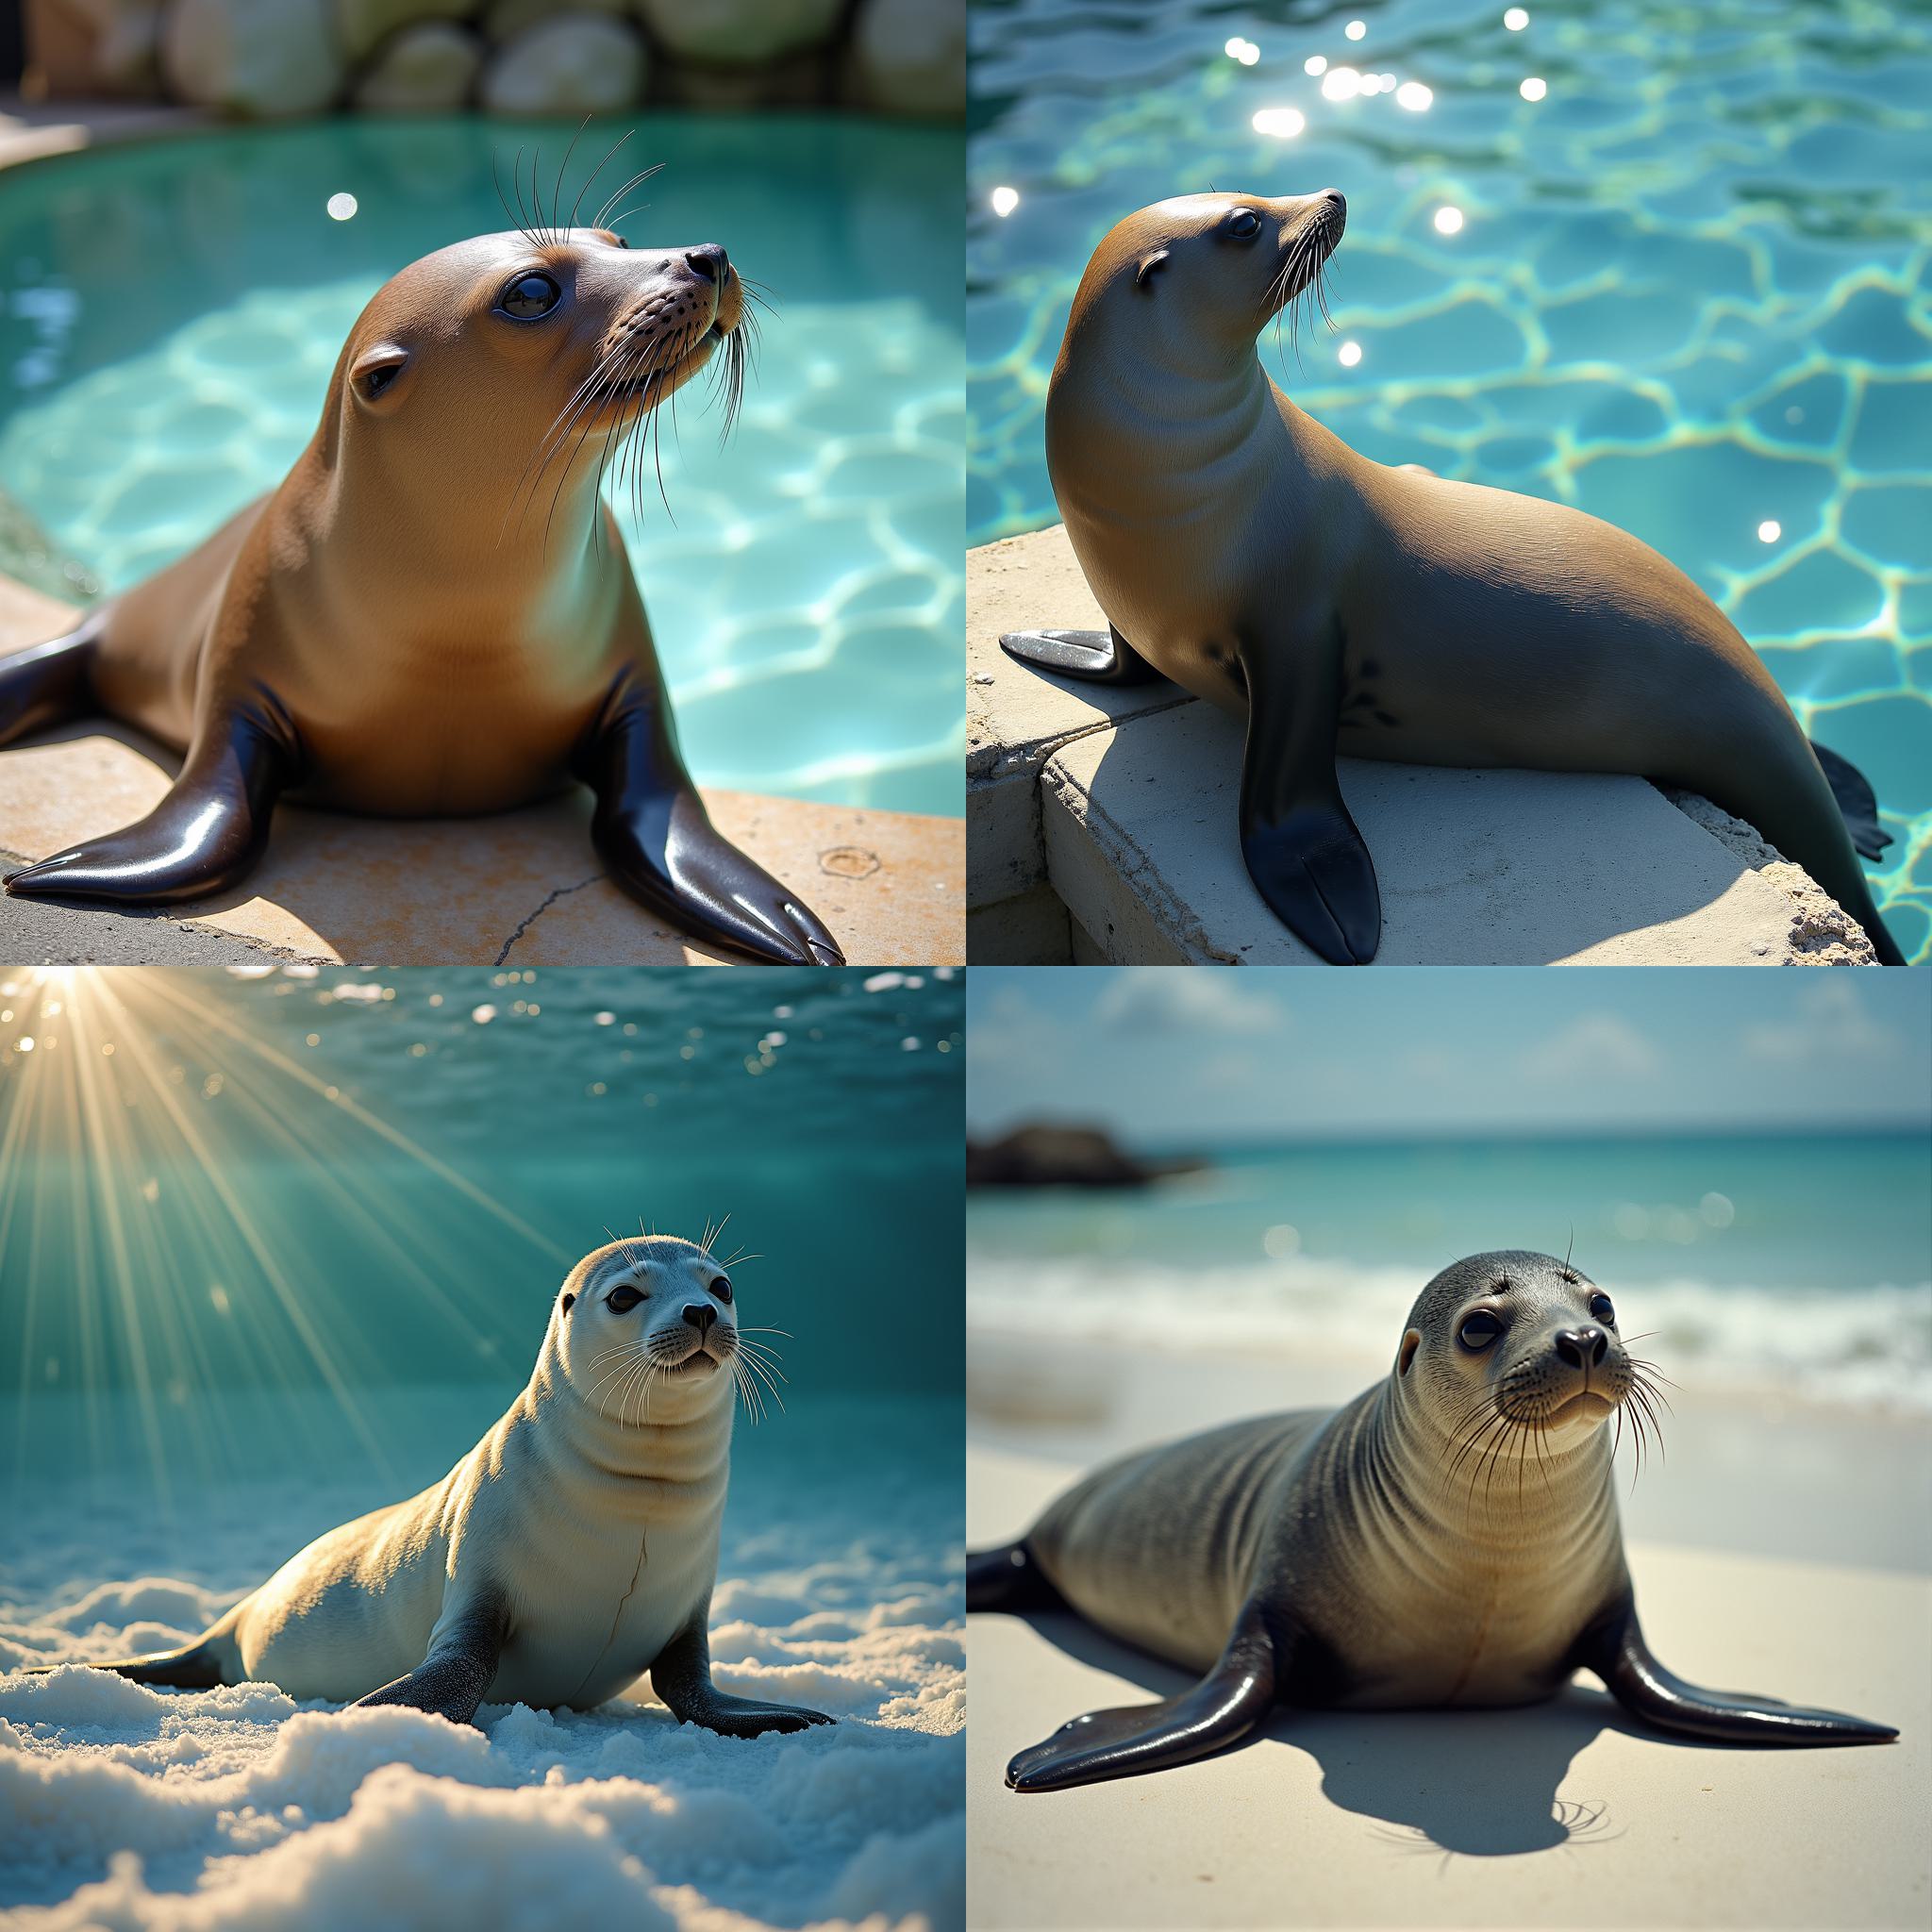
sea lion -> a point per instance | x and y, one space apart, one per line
1346 608
1448 1537
434 613
572 1550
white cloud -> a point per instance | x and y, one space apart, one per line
1830 1024
1593 1046
1185 999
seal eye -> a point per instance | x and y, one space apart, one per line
620 1301
1600 1306
1480 1330
1245 226
530 296
721 1289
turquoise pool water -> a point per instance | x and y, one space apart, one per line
1688 292
171 312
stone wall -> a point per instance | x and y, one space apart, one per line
271 59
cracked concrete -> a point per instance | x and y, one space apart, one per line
444 891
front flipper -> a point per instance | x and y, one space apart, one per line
210 831
1235 1696
1616 1651
682 1677
451 1680
1302 849
652 830
1096 656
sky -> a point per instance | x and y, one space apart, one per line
1162 1055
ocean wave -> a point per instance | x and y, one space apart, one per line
1861 1347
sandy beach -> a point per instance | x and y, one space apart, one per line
1782 1547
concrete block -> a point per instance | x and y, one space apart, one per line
1016 718
1476 867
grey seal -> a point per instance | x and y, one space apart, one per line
1449 1538
573 1549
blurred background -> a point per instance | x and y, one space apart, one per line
1201 1196
1665 263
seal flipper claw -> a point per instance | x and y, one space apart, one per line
1616 1651
652 830
1301 846
1235 1696
208 832
1096 656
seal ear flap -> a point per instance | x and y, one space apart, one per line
1149 263
1410 1343
374 374
568 1300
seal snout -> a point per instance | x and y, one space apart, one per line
1582 1347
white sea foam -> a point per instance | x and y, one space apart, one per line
1860 1346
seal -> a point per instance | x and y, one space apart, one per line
434 613
1348 608
573 1549
1450 1537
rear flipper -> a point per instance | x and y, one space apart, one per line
1856 801
1096 656
194 1668
47 684
210 831
1008 1579
1616 1651
1235 1696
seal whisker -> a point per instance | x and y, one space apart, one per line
556 227
584 186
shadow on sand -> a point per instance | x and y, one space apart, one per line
1482 1784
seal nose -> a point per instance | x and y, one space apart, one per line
701 1315
709 261
1583 1347
1338 203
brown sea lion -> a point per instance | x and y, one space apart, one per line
434 612
1345 607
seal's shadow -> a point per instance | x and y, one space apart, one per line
1480 1783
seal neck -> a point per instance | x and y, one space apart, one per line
1508 1489
682 1438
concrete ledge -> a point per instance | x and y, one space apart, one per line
521 888
1015 721
1134 804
